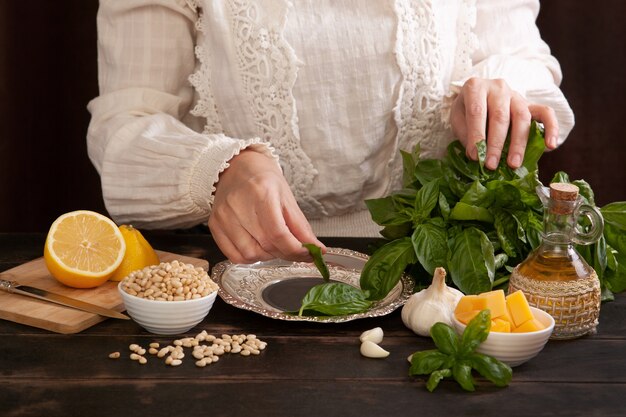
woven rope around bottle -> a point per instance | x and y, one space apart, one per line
574 305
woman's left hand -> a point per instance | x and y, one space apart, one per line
484 109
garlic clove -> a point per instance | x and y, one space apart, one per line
373 335
410 358
370 349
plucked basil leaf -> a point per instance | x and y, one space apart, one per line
316 252
335 299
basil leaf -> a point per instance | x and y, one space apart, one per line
456 157
585 191
428 170
471 261
335 299
467 212
426 362
426 199
535 147
615 214
445 338
318 260
489 367
383 269
386 211
436 377
475 333
430 242
506 227
462 374
560 177
408 166
478 195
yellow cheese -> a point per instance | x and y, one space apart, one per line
519 310
466 316
499 325
531 325
496 302
470 303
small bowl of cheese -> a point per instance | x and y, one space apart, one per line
518 331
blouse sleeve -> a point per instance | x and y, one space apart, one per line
510 47
156 171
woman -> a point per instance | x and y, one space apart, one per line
273 121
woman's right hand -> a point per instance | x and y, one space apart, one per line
255 215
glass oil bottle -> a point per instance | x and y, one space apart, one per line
555 277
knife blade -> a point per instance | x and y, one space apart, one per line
16 288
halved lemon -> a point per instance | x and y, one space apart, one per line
83 249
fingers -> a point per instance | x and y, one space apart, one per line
499 111
520 126
238 247
255 215
546 115
489 109
475 103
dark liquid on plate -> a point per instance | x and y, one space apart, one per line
287 295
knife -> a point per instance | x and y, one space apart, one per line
15 288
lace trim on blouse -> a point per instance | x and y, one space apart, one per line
268 69
419 101
201 81
467 44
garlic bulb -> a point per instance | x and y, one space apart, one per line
431 305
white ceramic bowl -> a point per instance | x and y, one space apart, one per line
167 317
515 348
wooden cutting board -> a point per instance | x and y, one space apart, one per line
57 318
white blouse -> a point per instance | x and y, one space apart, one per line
332 89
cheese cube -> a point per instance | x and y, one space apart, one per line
470 303
466 316
519 310
531 325
496 302
499 325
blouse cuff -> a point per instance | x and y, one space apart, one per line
214 160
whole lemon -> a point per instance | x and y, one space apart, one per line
139 253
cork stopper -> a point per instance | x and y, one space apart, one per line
564 197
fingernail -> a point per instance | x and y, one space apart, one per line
492 162
516 160
553 141
474 154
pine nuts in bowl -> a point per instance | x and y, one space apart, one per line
169 298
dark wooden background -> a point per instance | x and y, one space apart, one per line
48 74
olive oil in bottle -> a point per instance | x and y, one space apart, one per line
554 277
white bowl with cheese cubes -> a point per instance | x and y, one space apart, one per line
518 331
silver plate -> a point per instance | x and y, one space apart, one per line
252 287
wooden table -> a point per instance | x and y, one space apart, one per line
308 369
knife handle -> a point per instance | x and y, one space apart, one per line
6 285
